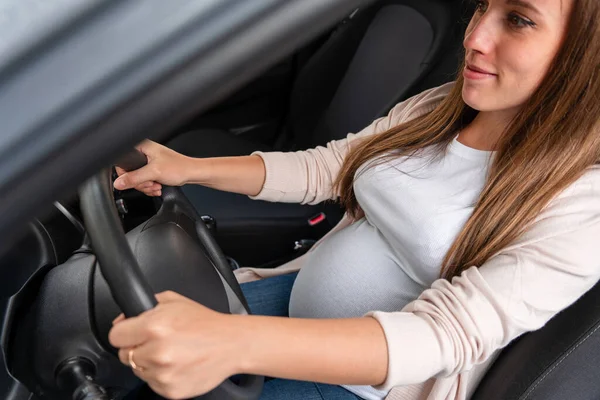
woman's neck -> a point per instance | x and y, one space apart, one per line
485 130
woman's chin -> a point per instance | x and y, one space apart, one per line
473 99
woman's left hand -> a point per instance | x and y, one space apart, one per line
181 348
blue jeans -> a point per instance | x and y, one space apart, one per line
271 297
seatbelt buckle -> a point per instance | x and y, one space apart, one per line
303 245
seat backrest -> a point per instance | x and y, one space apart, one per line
557 362
377 57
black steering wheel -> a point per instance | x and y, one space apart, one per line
129 287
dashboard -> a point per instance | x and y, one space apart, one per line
45 242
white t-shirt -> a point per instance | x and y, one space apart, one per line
414 208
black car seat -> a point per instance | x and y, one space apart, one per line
376 57
557 362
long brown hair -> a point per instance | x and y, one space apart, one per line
550 143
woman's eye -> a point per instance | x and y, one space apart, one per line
481 6
518 22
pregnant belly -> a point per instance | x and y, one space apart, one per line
351 273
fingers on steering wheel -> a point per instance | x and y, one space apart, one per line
151 185
120 317
124 358
145 185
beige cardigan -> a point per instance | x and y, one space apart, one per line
441 344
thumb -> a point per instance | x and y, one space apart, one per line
133 178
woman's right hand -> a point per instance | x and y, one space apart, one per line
165 167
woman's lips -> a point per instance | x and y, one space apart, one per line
473 73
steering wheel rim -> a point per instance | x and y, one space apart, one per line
129 287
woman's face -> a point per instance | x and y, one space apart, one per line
510 45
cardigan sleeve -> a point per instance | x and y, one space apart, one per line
307 176
453 326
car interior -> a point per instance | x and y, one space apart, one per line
375 57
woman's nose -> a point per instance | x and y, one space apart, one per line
479 36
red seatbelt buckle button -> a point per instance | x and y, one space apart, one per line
317 219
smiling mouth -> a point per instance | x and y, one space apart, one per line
472 72
475 68
472 68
